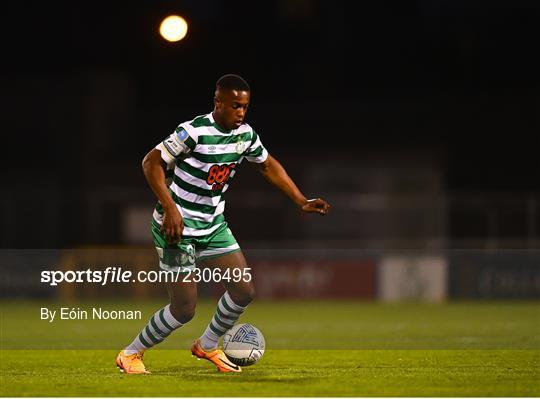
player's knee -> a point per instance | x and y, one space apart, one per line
186 317
244 296
183 312
250 293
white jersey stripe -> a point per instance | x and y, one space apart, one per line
198 199
194 181
190 214
219 148
188 231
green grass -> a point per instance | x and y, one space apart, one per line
314 349
280 373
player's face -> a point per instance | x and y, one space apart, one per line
231 107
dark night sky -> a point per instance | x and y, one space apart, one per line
457 75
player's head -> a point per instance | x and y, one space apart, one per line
231 101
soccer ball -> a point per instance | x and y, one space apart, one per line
243 344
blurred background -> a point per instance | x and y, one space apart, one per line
416 120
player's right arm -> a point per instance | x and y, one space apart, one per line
154 168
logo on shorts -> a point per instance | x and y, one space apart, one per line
187 256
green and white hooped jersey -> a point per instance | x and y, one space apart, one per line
202 159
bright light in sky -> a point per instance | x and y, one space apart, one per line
173 28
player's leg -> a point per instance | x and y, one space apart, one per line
230 306
222 251
180 310
234 301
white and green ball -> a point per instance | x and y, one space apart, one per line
244 344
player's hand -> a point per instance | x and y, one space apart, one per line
317 205
173 225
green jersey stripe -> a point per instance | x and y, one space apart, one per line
257 152
188 141
221 140
192 170
254 137
201 121
189 206
203 192
204 121
194 215
193 180
194 198
192 205
196 224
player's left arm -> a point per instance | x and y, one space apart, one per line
274 172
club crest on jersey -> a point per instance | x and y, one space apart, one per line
240 145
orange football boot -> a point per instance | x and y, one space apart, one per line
131 364
216 356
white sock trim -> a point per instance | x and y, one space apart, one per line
169 318
231 303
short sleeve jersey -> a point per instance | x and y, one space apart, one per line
202 159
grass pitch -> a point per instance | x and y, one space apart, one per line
314 349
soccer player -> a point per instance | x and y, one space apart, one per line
189 172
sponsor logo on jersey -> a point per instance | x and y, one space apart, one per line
218 176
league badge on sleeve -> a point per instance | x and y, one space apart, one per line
182 134
174 144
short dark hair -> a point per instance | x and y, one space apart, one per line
232 82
